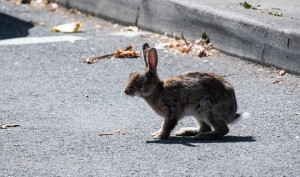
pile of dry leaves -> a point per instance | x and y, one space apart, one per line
39 3
200 47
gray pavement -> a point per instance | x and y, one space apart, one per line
251 34
62 106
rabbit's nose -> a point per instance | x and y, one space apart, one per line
127 92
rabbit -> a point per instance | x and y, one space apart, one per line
209 98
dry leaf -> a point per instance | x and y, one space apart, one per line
68 28
276 82
133 28
39 3
282 72
184 49
202 54
197 47
125 54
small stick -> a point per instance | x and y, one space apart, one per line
5 126
103 134
90 60
126 52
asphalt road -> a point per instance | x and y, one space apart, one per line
63 106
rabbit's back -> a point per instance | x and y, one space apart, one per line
197 84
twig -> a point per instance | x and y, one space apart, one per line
91 60
103 134
125 53
182 37
5 126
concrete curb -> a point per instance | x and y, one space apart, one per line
228 31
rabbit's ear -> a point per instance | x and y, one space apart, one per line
152 59
146 47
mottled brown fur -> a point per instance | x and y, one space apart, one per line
206 96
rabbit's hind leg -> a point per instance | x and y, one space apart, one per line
188 131
218 124
204 127
192 131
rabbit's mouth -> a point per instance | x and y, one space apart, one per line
129 92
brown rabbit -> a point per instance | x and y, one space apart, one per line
206 96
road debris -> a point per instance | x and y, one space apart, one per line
125 53
105 133
296 113
68 28
130 28
200 47
277 82
21 1
281 72
5 126
116 132
246 5
276 13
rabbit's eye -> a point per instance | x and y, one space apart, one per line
138 85
142 80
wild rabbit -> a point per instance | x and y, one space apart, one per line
206 96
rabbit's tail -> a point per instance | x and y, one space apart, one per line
239 116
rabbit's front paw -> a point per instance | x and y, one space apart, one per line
161 136
156 133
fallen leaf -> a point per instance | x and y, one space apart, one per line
184 49
125 53
202 54
115 25
74 11
40 3
133 28
277 14
54 6
68 28
276 82
281 72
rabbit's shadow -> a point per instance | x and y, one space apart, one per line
187 141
